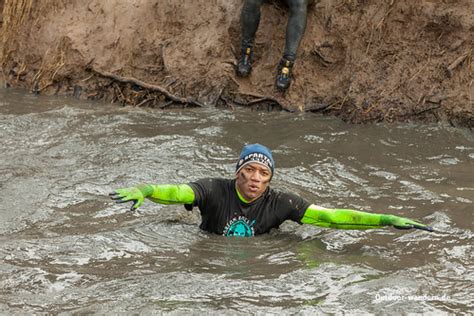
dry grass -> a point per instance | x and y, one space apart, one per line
16 15
15 12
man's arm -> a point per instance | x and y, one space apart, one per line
158 193
350 219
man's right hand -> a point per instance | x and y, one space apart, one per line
133 194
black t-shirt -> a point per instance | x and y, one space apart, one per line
224 213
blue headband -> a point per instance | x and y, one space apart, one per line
256 153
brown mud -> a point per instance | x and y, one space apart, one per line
362 60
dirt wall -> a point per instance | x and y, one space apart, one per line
362 60
1 23
1 12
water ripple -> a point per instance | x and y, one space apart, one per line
65 248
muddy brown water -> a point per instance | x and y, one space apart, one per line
65 248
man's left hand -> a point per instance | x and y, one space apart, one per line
405 223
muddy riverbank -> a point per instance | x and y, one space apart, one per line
360 60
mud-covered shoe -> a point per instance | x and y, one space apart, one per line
284 73
244 67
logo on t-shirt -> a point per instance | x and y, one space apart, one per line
239 226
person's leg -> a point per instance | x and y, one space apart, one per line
296 27
294 34
249 20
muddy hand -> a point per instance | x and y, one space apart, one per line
125 195
405 223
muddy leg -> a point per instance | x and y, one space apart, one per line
294 33
249 20
296 27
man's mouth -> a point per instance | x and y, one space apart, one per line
253 188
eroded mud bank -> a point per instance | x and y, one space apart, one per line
361 60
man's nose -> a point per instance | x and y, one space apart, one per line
256 176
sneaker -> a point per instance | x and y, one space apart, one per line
283 78
244 66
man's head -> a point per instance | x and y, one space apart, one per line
254 171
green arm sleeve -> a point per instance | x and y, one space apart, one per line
350 219
159 193
168 193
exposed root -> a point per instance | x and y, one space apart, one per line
427 109
456 63
49 69
419 70
379 26
261 99
146 86
316 51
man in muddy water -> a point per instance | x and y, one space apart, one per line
250 18
247 206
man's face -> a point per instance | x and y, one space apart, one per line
252 180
